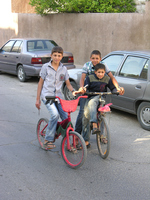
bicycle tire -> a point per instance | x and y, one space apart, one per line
74 158
41 130
103 138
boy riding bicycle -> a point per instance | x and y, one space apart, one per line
52 76
97 82
88 69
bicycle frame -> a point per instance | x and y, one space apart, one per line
67 106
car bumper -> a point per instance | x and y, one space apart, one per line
32 70
35 70
69 66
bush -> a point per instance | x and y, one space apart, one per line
44 7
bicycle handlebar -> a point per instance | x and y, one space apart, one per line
67 106
101 93
54 98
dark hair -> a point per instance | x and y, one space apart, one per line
99 66
57 49
96 52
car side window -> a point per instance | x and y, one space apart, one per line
133 67
113 62
17 47
8 46
144 72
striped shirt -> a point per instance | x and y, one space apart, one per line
88 68
99 85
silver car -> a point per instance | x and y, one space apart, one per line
25 57
132 71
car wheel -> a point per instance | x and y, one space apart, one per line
21 74
143 114
68 94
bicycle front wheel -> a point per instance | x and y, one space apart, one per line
76 155
103 138
41 130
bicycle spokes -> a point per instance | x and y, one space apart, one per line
41 130
103 139
73 156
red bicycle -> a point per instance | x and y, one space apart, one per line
73 148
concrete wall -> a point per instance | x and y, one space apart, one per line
81 33
21 6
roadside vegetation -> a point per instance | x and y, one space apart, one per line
44 7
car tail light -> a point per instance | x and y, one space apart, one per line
70 59
36 61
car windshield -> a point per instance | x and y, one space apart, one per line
40 45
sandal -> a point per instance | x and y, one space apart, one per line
104 139
95 131
48 145
88 145
79 146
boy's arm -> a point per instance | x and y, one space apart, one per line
115 83
69 86
39 89
83 76
81 89
112 87
85 86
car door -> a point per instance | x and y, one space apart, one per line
15 56
5 56
133 77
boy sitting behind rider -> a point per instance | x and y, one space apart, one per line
97 82
88 69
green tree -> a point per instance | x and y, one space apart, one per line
44 7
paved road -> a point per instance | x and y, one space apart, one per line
28 172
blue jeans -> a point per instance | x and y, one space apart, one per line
90 115
78 125
55 111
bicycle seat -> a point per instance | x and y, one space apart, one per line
105 108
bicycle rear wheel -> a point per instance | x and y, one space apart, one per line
103 138
74 157
41 130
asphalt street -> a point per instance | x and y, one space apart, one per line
27 172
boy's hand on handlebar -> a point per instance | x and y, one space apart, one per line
38 104
81 90
120 90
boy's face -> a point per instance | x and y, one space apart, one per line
95 59
56 57
100 73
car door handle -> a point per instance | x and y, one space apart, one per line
138 87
